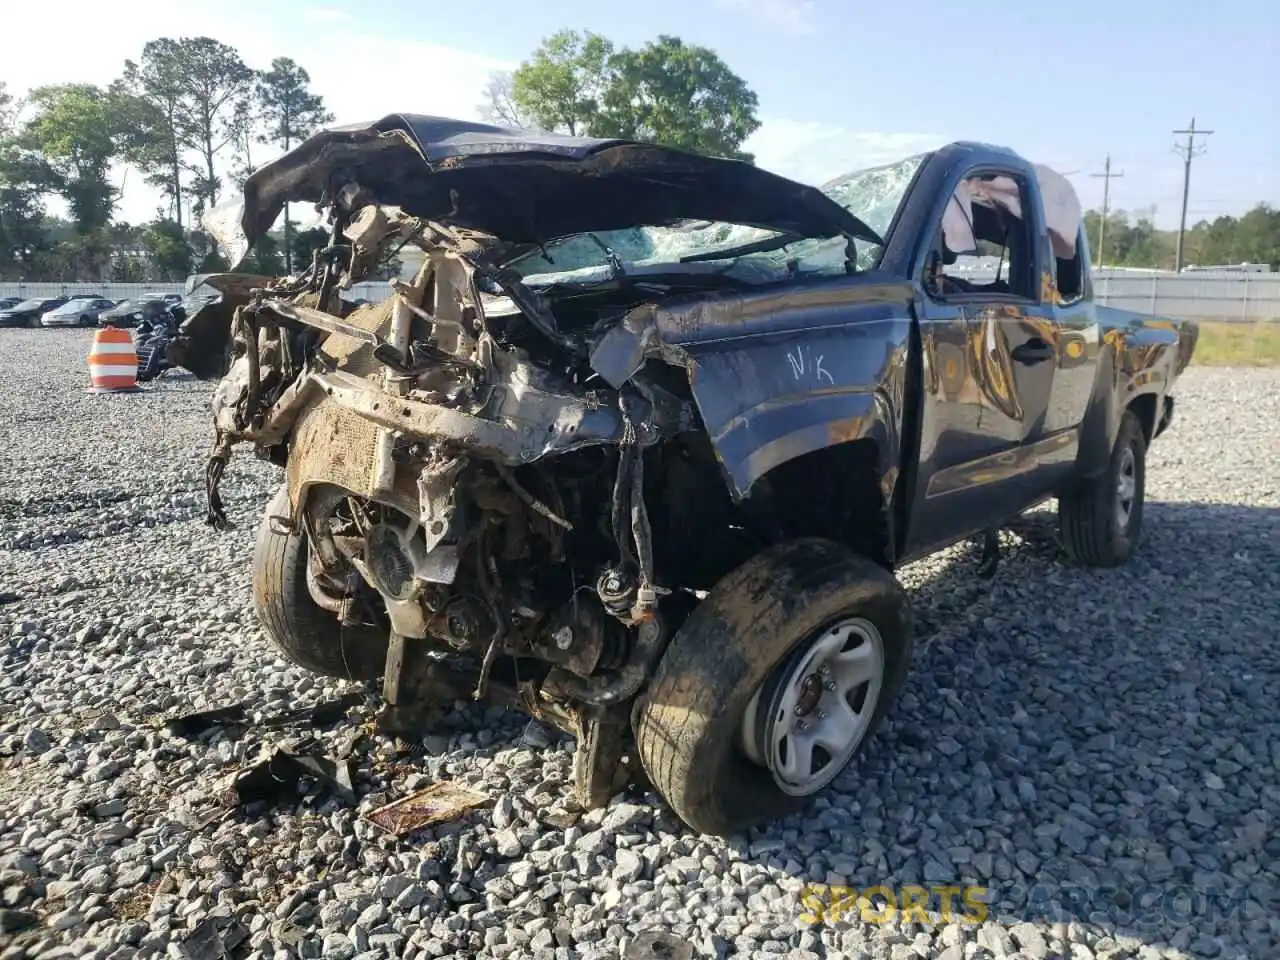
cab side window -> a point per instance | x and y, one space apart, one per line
1070 275
985 245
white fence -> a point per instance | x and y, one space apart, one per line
1185 296
1192 296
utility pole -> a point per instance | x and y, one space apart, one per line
1188 153
1107 176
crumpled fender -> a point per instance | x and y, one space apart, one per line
779 374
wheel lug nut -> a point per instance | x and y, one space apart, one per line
821 715
830 685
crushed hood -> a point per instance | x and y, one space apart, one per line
524 187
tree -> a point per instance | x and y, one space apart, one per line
290 113
248 132
8 111
152 111
304 244
73 134
680 95
668 92
1252 238
83 257
166 247
183 98
21 234
215 82
21 237
499 104
264 259
560 87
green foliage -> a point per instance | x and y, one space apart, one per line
152 116
73 135
680 95
561 86
304 243
264 259
167 249
84 257
7 111
668 92
22 235
289 112
1252 238
184 97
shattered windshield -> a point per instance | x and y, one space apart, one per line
746 254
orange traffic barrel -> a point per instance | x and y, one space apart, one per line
113 362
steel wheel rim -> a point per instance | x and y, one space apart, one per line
807 720
1126 487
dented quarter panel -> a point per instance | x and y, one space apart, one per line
779 374
1138 356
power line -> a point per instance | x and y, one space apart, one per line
1107 176
1188 153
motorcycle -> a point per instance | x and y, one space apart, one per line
151 342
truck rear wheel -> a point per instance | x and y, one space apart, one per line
304 632
1101 522
773 685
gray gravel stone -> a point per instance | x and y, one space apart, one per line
1104 729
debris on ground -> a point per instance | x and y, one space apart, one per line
276 778
237 715
437 803
216 938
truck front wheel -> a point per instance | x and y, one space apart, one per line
305 633
773 685
1101 521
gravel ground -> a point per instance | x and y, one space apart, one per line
1099 750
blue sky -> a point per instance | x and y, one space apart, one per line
841 84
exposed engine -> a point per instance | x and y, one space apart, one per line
464 477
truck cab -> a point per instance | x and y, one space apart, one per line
1019 396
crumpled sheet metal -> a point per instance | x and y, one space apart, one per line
237 716
276 777
438 803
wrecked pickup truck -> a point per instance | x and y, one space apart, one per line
638 447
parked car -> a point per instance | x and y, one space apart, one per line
27 313
80 312
641 456
169 299
7 302
129 313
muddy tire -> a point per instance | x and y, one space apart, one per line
1101 522
305 633
753 628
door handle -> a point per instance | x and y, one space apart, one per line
1033 351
